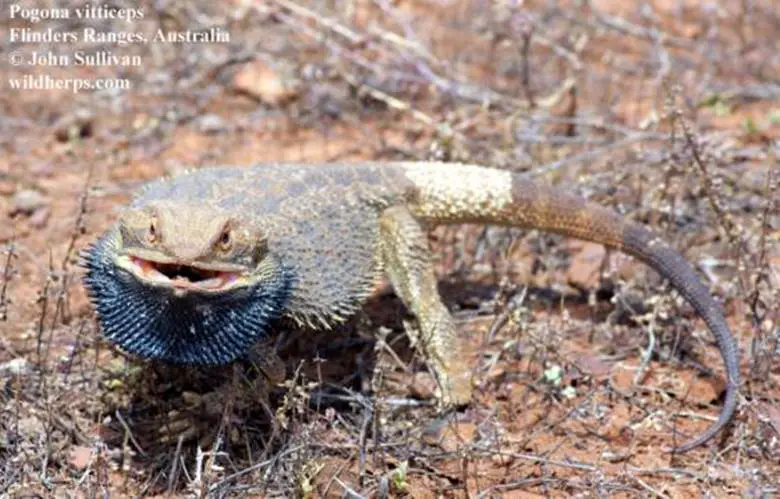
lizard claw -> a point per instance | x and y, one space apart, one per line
205 416
198 418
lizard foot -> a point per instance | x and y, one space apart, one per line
202 416
455 388
453 376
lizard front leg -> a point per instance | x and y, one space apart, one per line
406 260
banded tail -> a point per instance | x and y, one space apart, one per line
453 193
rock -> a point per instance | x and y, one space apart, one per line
265 83
16 367
691 387
211 124
6 233
7 187
76 125
25 202
31 428
774 270
450 435
324 482
80 457
40 217
594 366
423 386
771 414
584 271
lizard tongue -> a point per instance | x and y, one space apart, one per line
217 282
222 280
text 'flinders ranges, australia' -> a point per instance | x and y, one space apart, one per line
94 35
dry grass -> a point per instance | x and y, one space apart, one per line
588 366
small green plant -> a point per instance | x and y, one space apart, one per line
717 103
398 477
553 375
774 117
750 126
306 479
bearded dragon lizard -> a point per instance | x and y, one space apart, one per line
200 266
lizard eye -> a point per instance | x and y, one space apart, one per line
151 234
225 240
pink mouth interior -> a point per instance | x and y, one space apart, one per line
186 276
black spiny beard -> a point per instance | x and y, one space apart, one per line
202 329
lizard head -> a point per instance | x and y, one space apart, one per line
185 283
189 248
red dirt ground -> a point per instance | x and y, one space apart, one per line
667 111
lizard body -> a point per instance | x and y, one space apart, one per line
201 265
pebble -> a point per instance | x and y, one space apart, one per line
76 125
25 202
270 85
211 124
15 367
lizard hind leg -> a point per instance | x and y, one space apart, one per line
406 261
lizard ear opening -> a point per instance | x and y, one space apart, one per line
260 247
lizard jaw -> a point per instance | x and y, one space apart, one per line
180 278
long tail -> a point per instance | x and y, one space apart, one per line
452 193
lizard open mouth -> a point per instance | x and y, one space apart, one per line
181 276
